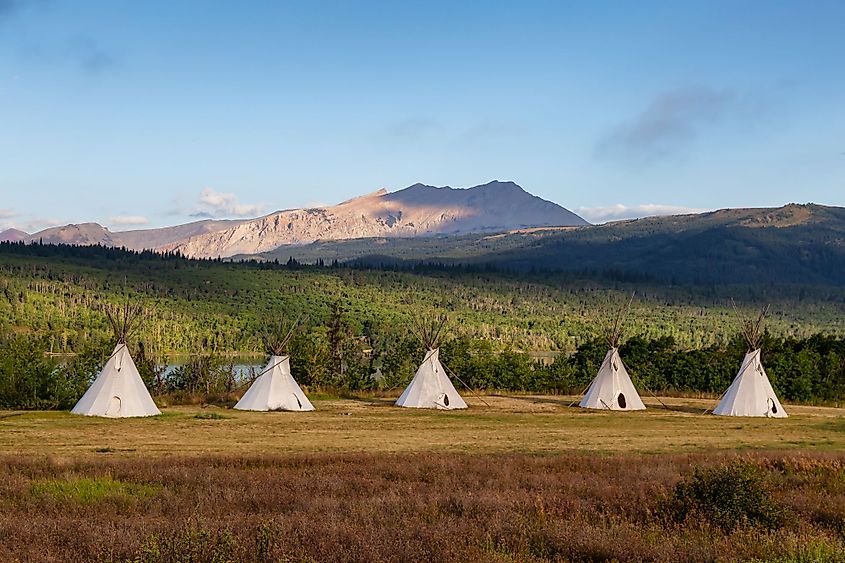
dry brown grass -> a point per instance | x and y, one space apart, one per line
399 507
525 479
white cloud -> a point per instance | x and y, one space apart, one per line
219 204
129 220
619 211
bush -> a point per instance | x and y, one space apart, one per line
728 497
29 380
195 543
206 373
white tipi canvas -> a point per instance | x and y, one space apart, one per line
275 390
431 388
751 393
612 388
118 392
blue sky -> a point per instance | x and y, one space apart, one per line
152 113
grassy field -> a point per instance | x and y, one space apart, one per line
521 478
523 424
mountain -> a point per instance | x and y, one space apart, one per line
793 244
12 235
83 234
86 234
158 238
415 211
800 244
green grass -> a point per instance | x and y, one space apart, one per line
87 491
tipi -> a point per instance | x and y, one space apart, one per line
275 389
118 391
612 388
431 387
751 393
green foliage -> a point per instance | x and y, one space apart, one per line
151 370
727 497
29 380
204 373
195 543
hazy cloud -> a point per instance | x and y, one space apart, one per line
667 126
128 220
618 212
412 128
420 129
7 214
214 204
90 55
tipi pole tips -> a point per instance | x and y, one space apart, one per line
751 327
430 332
613 332
276 341
123 319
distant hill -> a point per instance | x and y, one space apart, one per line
12 235
85 234
801 244
416 211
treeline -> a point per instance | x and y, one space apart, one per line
810 370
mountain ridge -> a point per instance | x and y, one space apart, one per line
416 211
795 243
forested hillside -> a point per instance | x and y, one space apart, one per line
200 305
357 320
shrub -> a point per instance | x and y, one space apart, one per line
195 543
728 497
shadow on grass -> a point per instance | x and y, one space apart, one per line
538 400
375 401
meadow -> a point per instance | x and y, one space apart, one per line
513 478
532 424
